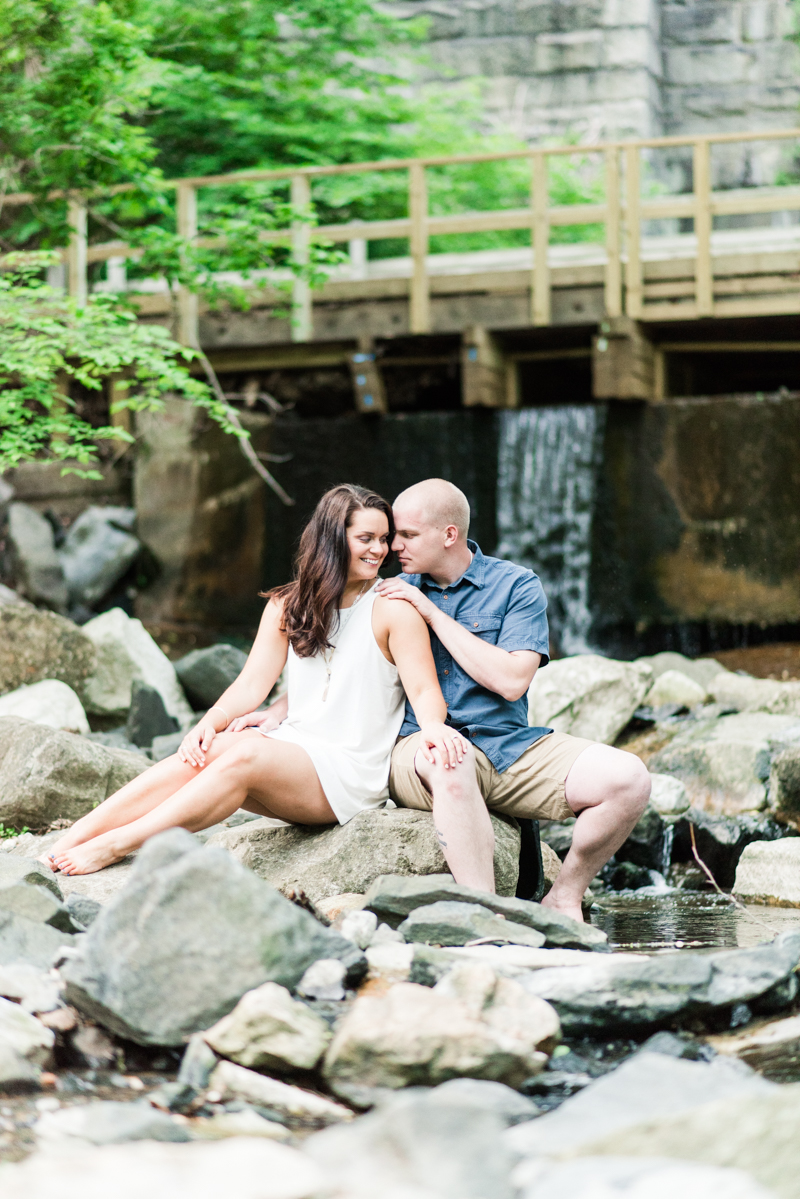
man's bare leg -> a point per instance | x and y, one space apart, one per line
138 797
608 790
271 776
461 820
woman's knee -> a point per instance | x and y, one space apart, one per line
239 757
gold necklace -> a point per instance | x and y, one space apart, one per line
327 655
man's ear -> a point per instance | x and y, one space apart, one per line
450 536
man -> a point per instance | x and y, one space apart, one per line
489 636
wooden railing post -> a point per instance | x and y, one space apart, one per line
633 229
420 306
613 289
540 240
78 247
703 273
302 321
188 306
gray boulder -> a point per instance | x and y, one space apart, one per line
97 551
49 702
328 861
701 670
453 923
16 870
747 694
35 990
147 718
769 872
36 644
607 994
38 904
724 763
206 673
109 1123
392 897
588 696
126 651
38 569
721 840
784 786
16 1072
48 775
635 1178
269 1029
287 1103
192 931
23 1033
83 910
29 941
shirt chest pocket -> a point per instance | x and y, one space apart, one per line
485 625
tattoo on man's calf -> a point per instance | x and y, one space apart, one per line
440 838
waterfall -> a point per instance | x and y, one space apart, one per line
545 496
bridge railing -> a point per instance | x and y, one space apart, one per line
623 213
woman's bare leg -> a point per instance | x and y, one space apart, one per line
277 777
139 796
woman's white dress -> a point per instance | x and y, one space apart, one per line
350 735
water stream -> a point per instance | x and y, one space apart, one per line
545 497
653 920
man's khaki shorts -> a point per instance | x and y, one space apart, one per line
533 786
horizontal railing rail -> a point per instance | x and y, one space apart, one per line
623 214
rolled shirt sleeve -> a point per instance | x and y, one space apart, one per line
525 619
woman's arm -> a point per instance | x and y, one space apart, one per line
258 676
409 647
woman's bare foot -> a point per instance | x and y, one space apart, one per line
47 859
90 857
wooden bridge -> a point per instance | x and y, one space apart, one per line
643 293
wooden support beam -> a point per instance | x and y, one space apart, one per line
368 389
188 301
76 255
420 314
622 362
704 277
633 233
302 320
613 282
540 240
483 370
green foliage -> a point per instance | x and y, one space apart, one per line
6 831
46 340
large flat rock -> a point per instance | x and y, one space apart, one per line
36 644
588 695
769 872
348 857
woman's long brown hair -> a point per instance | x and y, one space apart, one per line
311 601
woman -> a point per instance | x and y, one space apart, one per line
353 657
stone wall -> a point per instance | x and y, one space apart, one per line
619 68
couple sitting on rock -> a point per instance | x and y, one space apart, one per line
415 687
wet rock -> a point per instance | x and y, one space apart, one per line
28 941
16 1072
557 834
769 872
324 979
83 910
772 1047
148 718
452 923
36 644
699 670
645 1088
97 551
206 673
24 1034
269 1029
250 1168
197 1064
94 1048
625 876
36 563
668 795
675 688
721 840
244 1122
472 1024
608 994
724 763
633 1178
50 702
422 1145
126 651
588 696
192 931
48 775
747 694
109 1123
393 897
328 861
784 786
646 844
290 1104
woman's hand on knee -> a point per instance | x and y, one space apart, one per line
197 742
451 745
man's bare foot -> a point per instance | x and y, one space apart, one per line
564 906
94 855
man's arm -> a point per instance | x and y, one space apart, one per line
506 672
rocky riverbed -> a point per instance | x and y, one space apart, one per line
303 1013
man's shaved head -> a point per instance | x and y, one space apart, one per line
441 503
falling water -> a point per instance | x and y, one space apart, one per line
545 497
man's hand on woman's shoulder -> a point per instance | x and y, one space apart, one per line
396 589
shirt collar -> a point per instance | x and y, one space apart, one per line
473 574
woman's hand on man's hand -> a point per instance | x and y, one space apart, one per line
451 746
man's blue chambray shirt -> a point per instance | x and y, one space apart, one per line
505 605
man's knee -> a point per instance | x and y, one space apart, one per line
603 774
632 782
454 780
